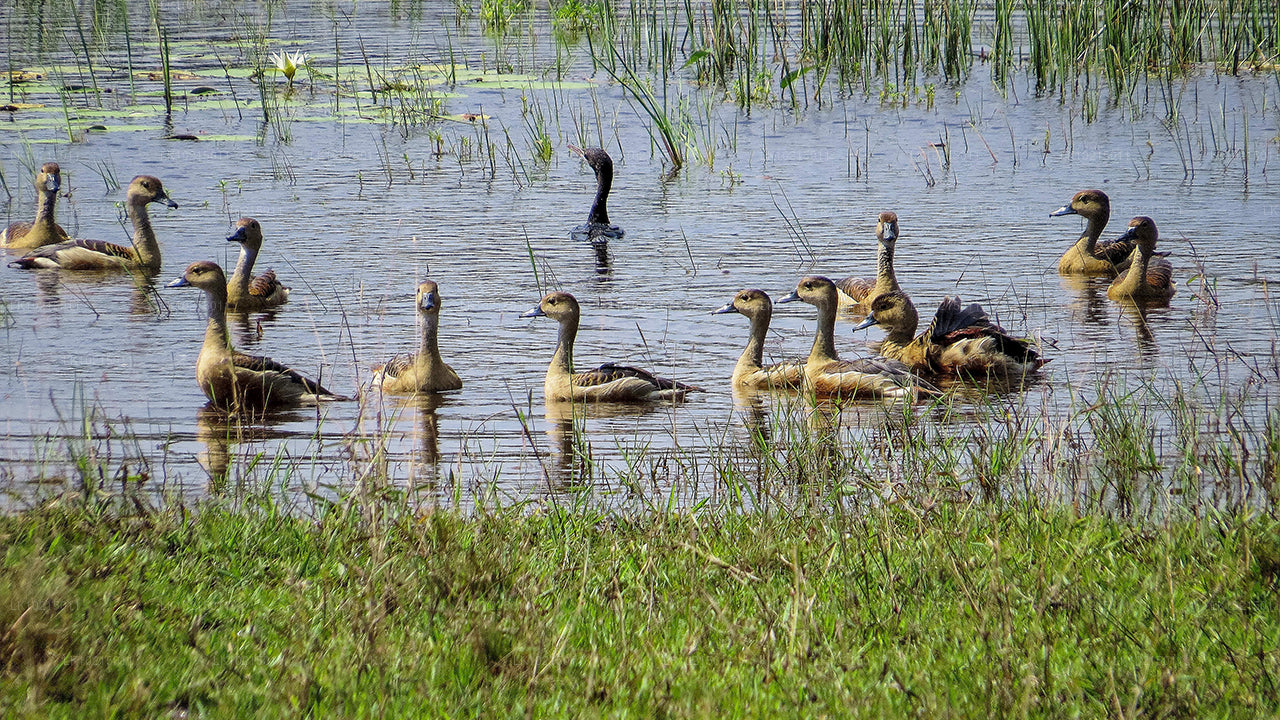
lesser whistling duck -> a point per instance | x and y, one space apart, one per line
607 383
960 339
144 255
426 371
1148 279
44 230
244 292
1088 256
825 373
231 380
756 305
598 229
857 294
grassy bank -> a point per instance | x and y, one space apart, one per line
368 608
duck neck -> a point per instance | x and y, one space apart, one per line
1089 240
244 270
886 281
824 342
562 361
600 208
144 238
753 355
429 349
215 333
45 202
1136 276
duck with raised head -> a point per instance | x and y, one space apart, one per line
44 230
233 381
426 371
598 229
749 372
857 294
607 383
825 373
960 339
246 293
1088 256
1148 279
144 255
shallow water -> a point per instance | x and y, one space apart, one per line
357 210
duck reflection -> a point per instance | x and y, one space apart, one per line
248 328
424 459
576 465
1089 305
221 432
1143 337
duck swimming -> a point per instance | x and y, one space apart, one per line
246 293
1088 256
607 383
598 230
426 371
825 373
43 230
1148 279
857 294
758 308
233 381
959 340
144 255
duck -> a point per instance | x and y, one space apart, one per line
825 373
233 381
756 305
598 230
961 340
144 255
244 292
607 383
1088 256
1148 279
44 230
857 294
426 371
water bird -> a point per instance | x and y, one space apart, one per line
234 381
1148 279
825 373
44 230
144 254
960 340
425 371
857 294
1088 256
758 308
246 293
607 383
597 229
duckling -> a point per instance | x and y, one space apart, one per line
144 255
1088 256
857 294
1148 279
960 340
425 371
607 383
598 230
244 292
233 381
825 372
43 230
758 308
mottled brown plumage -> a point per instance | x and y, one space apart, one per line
749 372
44 230
1149 279
246 293
143 256
607 383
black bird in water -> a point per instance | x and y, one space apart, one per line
598 230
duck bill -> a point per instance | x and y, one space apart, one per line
723 309
1127 236
52 183
428 302
867 322
1064 210
180 282
536 312
237 236
167 201
889 233
794 296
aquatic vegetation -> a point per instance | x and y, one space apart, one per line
288 64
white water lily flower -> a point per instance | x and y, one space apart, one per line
288 63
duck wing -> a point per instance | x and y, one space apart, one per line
952 317
76 254
611 372
855 288
1159 273
274 371
266 285
1116 252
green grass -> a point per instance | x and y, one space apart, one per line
367 607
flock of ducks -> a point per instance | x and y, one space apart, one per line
961 340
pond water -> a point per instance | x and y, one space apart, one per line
357 208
